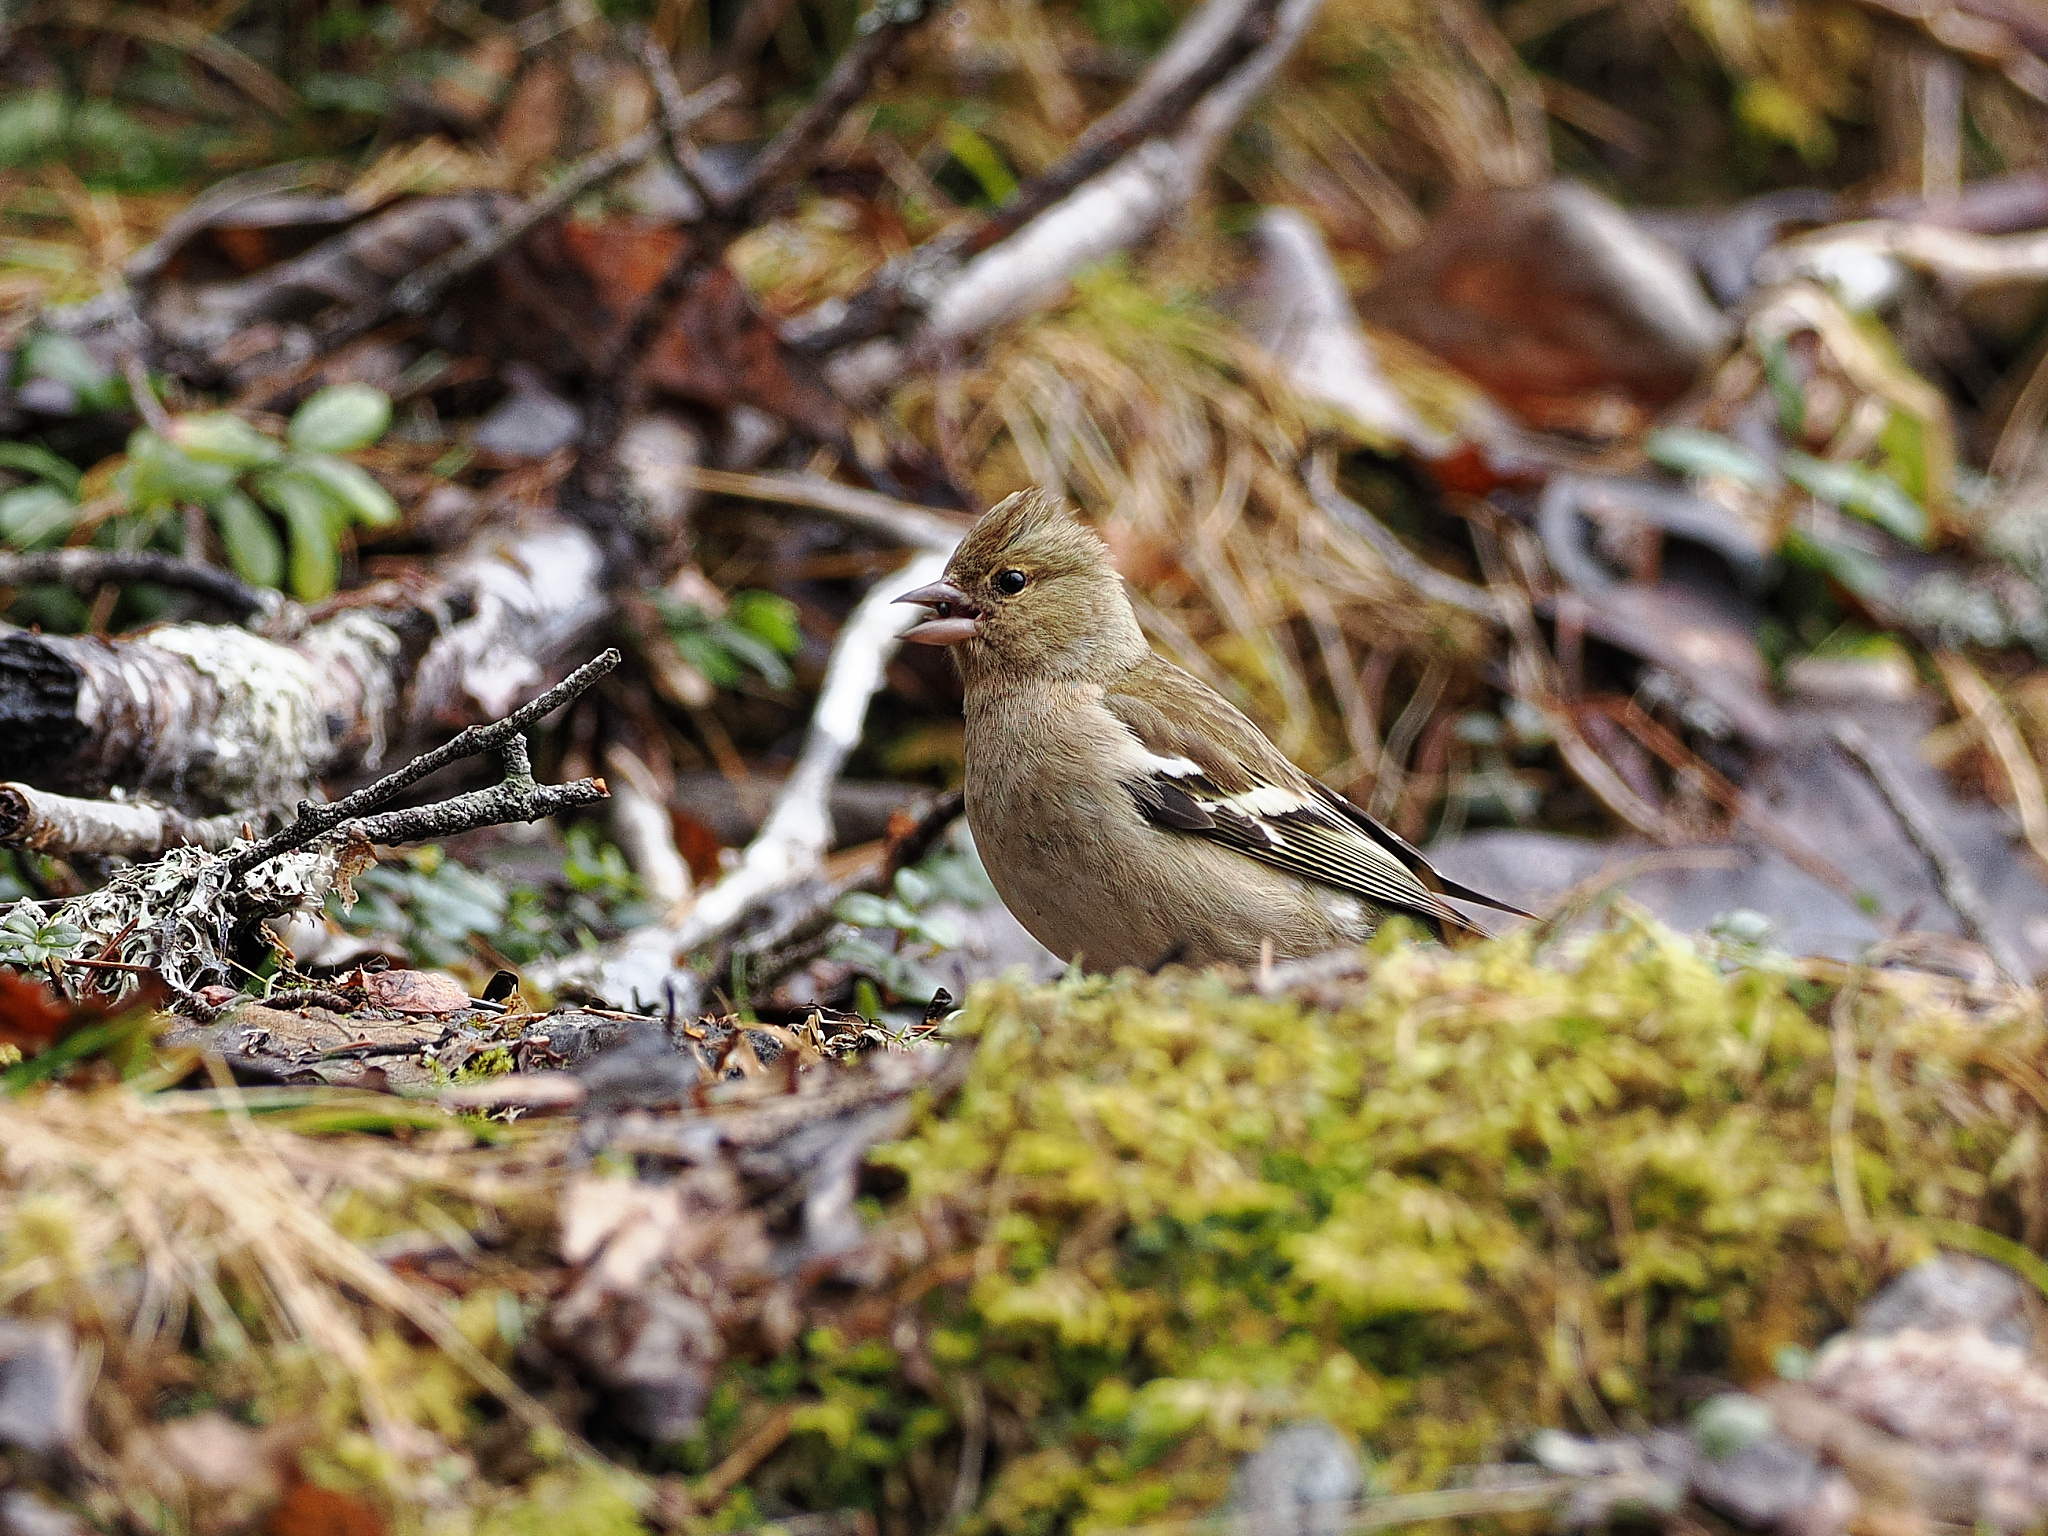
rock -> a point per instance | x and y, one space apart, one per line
657 451
529 423
1968 1412
1764 1480
42 1392
1952 1291
1830 805
1557 303
1306 1480
25 1514
1298 310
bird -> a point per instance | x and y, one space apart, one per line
1128 814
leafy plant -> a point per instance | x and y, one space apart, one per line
245 478
754 634
1873 495
441 910
915 932
30 937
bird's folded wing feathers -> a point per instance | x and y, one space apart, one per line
1199 766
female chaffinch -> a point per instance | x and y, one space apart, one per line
1127 814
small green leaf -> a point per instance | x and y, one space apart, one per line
35 515
340 419
253 547
863 910
1851 567
159 475
1864 493
982 162
349 487
915 889
1690 451
31 459
751 650
50 355
221 437
773 619
305 508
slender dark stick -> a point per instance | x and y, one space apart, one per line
1951 875
86 570
315 819
680 113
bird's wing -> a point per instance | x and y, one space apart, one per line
1201 767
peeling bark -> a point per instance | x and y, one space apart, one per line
60 825
213 718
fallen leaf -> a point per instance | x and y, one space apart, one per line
415 991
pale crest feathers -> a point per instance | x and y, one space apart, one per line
1035 518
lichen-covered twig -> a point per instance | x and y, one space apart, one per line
214 719
86 570
499 736
517 798
61 825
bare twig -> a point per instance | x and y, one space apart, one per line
61 825
919 527
882 30
1958 887
594 493
1209 45
314 820
680 113
86 570
791 845
142 396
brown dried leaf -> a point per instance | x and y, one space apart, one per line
414 991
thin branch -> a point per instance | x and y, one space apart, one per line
314 820
903 521
1209 45
142 396
1958 887
494 807
86 570
680 113
791 152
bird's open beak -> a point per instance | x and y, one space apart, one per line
954 617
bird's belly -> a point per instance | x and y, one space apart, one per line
1118 891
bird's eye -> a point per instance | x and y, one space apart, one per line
1010 583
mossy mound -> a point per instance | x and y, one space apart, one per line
1480 1194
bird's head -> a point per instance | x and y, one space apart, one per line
1030 594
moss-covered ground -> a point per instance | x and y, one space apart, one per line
1442 1202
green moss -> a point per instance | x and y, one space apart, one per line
1482 1193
